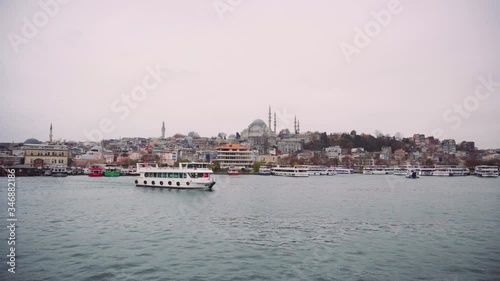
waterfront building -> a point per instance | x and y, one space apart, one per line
40 155
234 155
333 152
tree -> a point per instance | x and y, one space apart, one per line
256 166
215 166
429 162
238 136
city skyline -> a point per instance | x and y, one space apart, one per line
209 67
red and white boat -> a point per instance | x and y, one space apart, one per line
96 171
233 172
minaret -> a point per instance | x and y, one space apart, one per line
298 127
163 131
269 118
275 122
50 134
295 124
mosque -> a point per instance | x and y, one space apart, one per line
262 136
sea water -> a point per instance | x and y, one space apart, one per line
343 227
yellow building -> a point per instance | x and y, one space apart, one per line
40 155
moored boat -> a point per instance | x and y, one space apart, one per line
59 171
233 172
112 171
320 170
486 171
412 173
193 175
427 171
290 171
264 171
341 170
451 171
96 171
377 170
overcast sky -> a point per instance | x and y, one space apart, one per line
224 62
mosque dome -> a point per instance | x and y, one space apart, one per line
32 141
258 128
258 122
96 149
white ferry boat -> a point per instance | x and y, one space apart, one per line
290 171
59 171
451 171
320 171
377 170
400 171
413 173
264 171
342 171
427 171
191 175
486 171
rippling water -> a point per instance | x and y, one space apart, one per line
345 227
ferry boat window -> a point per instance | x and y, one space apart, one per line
176 175
200 175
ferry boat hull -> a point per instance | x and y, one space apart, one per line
173 183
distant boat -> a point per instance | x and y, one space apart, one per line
233 172
320 171
59 171
413 173
400 171
486 171
342 171
451 171
264 171
290 171
377 170
111 171
96 171
427 171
